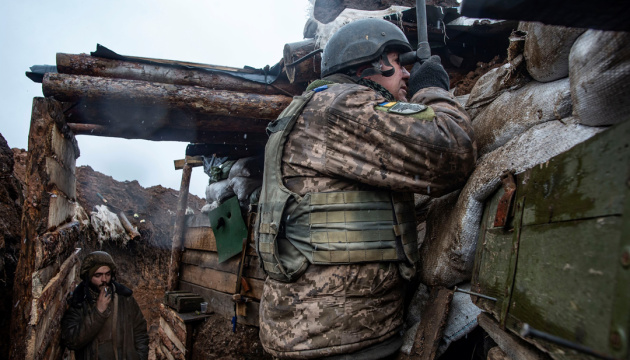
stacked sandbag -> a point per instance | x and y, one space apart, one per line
513 112
547 49
522 114
241 178
218 189
246 178
448 252
600 77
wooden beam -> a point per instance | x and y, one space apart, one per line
72 88
305 70
222 144
431 329
210 260
513 346
193 161
200 238
209 76
136 117
218 280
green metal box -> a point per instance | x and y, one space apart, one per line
561 260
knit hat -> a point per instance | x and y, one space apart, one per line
95 260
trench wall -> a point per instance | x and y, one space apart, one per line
48 266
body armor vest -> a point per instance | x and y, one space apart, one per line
340 227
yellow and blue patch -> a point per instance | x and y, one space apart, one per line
418 111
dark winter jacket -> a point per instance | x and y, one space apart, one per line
82 322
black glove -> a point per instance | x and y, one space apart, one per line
430 73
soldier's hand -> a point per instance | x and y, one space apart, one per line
104 298
431 73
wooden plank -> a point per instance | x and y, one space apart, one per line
222 304
171 317
434 317
49 308
200 238
170 347
564 283
511 345
209 278
165 351
193 161
208 259
198 220
60 209
56 289
175 339
219 280
65 150
64 179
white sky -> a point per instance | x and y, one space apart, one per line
218 32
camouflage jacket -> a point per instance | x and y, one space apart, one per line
343 140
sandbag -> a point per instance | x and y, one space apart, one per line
600 74
209 207
249 167
448 251
219 191
547 49
495 82
243 187
514 112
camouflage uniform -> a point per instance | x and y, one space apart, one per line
343 141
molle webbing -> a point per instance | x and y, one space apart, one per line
274 197
344 227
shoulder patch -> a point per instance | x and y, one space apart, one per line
404 108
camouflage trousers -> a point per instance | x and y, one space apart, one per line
331 310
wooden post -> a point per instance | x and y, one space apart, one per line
178 232
306 70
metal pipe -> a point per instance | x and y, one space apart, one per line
474 293
424 49
528 331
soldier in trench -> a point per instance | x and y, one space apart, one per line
336 230
104 321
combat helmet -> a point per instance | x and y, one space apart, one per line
360 42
